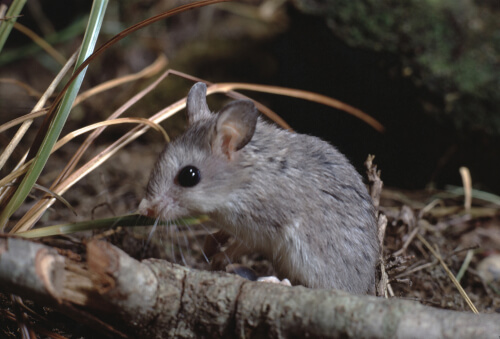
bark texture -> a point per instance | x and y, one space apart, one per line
157 299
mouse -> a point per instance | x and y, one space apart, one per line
291 197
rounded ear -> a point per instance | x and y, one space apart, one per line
196 103
235 127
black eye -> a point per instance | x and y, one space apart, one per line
189 176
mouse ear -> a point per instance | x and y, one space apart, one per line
196 103
235 127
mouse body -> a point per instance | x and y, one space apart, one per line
291 197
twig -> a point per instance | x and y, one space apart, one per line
452 277
407 242
467 182
170 297
416 269
374 180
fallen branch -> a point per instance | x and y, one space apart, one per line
153 298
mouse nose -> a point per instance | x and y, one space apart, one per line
150 212
148 209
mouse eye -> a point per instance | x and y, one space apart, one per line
189 176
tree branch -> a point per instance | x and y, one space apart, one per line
154 298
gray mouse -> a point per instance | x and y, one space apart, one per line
291 197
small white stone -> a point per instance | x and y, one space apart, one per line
489 269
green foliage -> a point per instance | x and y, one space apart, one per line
451 47
11 16
58 121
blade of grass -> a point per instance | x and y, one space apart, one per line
6 181
22 169
89 41
306 95
124 221
29 90
229 88
36 211
160 63
49 121
453 191
235 95
41 42
21 119
125 33
450 275
55 195
7 192
41 102
467 182
88 141
149 71
118 121
71 32
11 17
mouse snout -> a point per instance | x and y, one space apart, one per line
150 212
148 209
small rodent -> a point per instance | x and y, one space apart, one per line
291 197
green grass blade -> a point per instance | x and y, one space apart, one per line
88 44
124 221
6 25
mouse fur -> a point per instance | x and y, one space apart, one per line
292 197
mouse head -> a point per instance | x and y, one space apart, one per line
199 170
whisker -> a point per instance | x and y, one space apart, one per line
150 236
186 241
172 245
197 242
210 234
161 235
152 231
180 247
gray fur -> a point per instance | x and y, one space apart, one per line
292 197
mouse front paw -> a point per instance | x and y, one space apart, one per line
275 280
